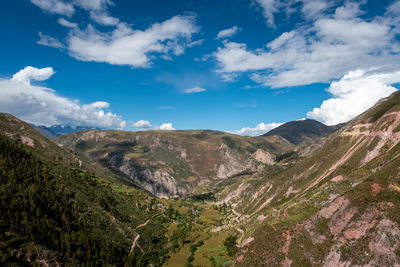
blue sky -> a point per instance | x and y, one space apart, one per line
243 66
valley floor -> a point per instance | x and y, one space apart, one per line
204 244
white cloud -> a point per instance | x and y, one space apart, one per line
27 74
319 52
227 32
313 9
349 10
67 23
43 106
142 124
269 8
195 89
55 6
353 94
126 46
93 5
394 7
282 40
310 9
98 11
166 127
49 41
104 19
119 44
229 77
260 129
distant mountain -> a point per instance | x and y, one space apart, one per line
298 132
57 130
173 163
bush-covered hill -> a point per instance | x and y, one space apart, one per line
56 214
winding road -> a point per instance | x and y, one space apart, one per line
137 234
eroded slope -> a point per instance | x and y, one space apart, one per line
173 163
337 207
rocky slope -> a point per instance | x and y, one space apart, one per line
337 207
173 163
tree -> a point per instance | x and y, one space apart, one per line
230 244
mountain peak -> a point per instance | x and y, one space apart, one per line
301 131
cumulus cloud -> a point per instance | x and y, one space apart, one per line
260 129
126 46
28 74
166 127
353 94
49 41
323 50
43 106
195 89
120 43
142 124
227 32
55 6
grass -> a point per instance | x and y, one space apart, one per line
213 247
209 244
179 258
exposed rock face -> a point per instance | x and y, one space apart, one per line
159 183
173 163
264 157
231 164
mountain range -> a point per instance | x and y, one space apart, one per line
57 130
304 194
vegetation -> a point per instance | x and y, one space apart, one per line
337 206
231 244
66 216
299 131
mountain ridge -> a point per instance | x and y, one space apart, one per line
302 131
172 163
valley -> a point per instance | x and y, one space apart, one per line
204 198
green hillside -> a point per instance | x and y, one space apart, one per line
55 213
